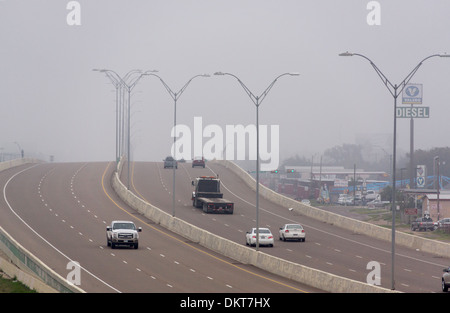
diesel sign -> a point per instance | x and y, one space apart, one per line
413 112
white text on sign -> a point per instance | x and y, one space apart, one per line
413 112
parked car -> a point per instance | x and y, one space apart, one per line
446 279
292 231
377 203
265 237
343 199
445 222
371 195
170 162
198 161
349 200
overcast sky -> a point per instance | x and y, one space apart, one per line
52 103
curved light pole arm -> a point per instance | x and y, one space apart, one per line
178 94
256 99
393 88
265 92
175 95
383 77
413 72
250 94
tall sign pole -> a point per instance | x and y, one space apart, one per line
412 94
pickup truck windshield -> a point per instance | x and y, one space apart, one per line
123 226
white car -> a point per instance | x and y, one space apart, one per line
372 195
342 199
446 279
265 237
292 231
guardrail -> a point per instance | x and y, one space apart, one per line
303 274
24 265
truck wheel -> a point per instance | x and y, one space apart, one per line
136 245
113 245
444 286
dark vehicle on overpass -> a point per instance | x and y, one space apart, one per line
198 161
170 162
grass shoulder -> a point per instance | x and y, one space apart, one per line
12 285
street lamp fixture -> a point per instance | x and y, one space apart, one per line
395 91
257 101
345 54
175 96
123 82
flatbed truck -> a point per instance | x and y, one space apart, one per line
207 195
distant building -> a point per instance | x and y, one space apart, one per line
302 182
429 205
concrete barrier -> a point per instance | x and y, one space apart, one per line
16 162
358 227
303 274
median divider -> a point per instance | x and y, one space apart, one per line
241 253
435 247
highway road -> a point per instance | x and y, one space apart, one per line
327 247
59 212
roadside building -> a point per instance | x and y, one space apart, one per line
430 205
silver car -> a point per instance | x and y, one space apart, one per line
446 279
292 231
443 223
170 162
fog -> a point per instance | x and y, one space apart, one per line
53 104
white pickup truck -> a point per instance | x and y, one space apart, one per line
371 195
122 233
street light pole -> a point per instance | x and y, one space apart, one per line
438 185
175 96
122 82
257 101
395 91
